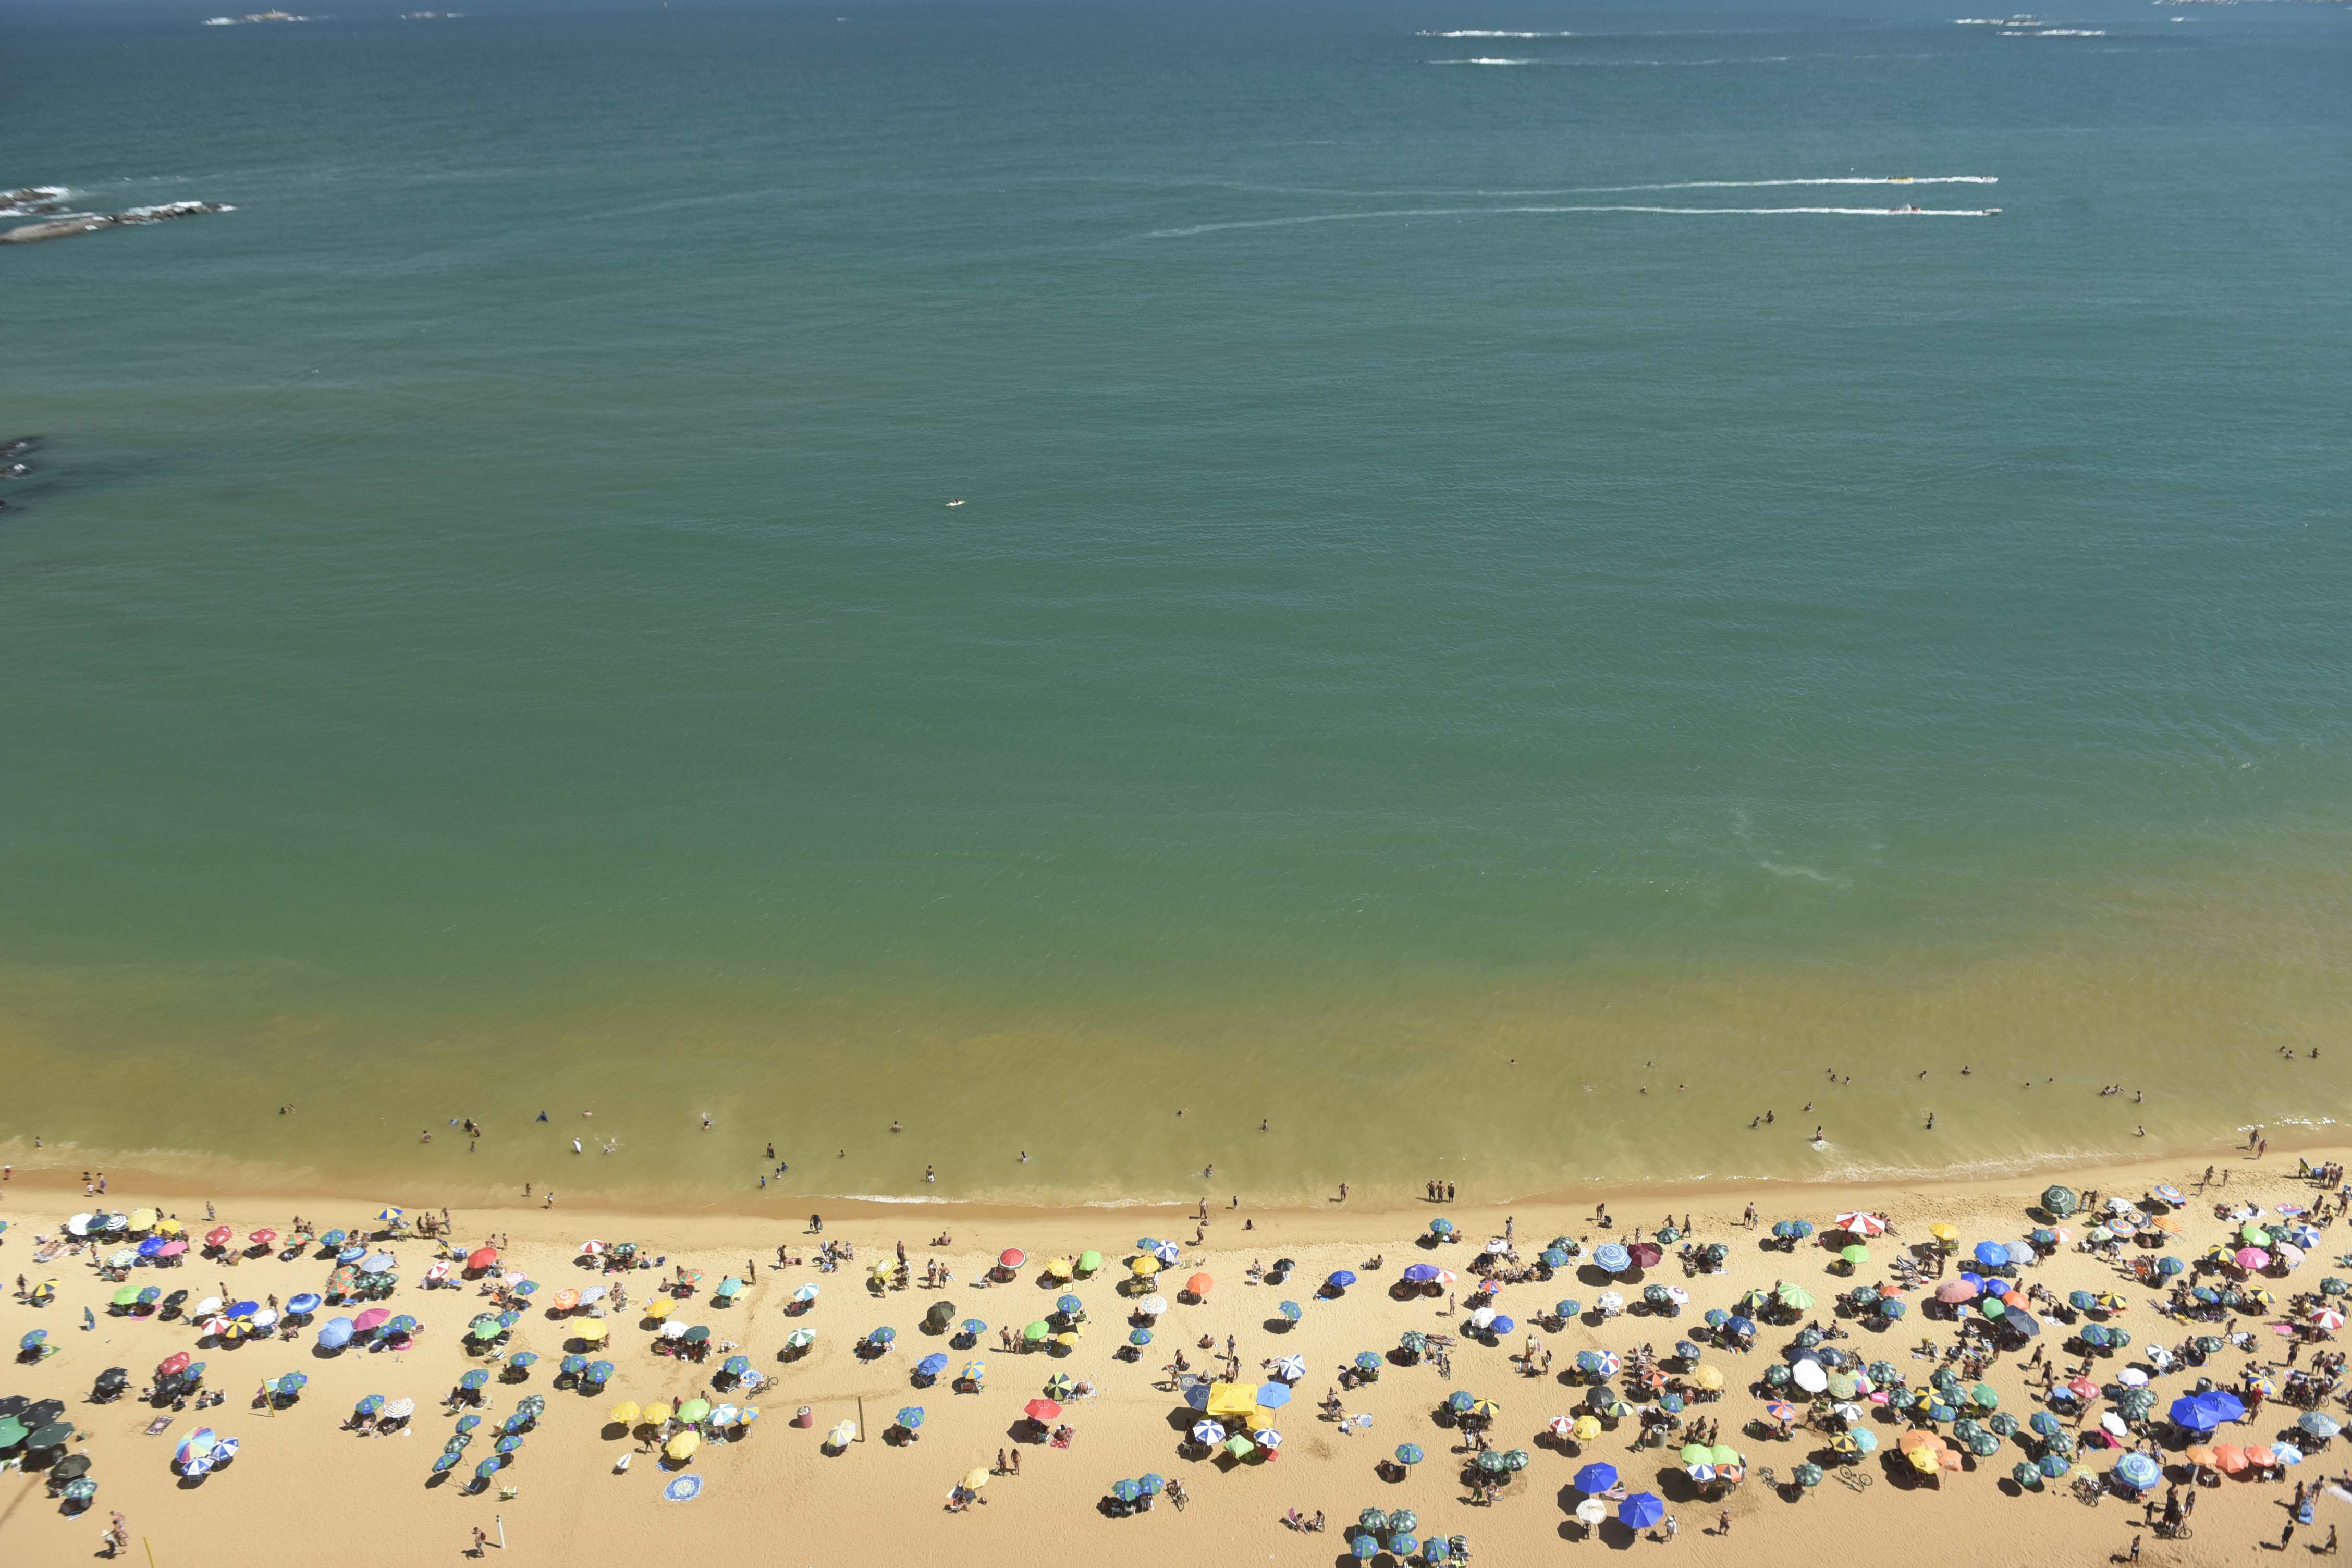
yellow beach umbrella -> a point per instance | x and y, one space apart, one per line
1069 1340
1061 1267
1585 1428
1922 1459
1145 1267
591 1331
975 1479
844 1435
142 1219
683 1445
168 1227
1707 1377
656 1414
1943 1230
626 1413
659 1310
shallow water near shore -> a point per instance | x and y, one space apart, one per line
1494 680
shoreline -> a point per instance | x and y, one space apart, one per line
2322 1138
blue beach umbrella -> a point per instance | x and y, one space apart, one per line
1290 1310
486 1468
474 1379
1615 1260
1596 1479
1441 1227
1069 1306
1408 1454
1641 1511
467 1423
598 1370
444 1463
929 1366
1126 1490
2137 1472
973 1326
1421 1274
571 1366
911 1417
1567 1307
1152 1483
1341 1279
1138 1336
1992 1254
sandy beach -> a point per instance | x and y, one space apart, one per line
375 1500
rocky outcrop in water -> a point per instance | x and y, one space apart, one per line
87 223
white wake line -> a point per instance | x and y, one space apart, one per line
1546 211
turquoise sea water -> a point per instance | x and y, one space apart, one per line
1462 592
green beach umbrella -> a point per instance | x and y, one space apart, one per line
1856 1254
1796 1296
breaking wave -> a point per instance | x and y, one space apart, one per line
1191 230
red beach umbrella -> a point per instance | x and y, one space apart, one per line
1041 1410
263 1237
481 1258
219 1235
172 1365
1199 1285
1011 1258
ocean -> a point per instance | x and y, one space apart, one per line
1374 593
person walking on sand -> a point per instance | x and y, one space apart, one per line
1723 1522
481 1542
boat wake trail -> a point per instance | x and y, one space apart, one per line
1200 228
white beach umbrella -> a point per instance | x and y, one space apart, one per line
1809 1376
1290 1368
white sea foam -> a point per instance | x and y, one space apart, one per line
1619 65
1487 33
873 1198
1763 185
1194 229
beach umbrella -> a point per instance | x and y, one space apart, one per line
1041 1411
1273 1395
1612 1258
682 1447
1153 1306
2319 1425
1795 1296
1341 1279
929 1366
693 1410
1011 1258
1596 1479
1408 1454
1791 1229
910 1417
2137 1472
800 1339
1640 1512
1208 1434
598 1370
